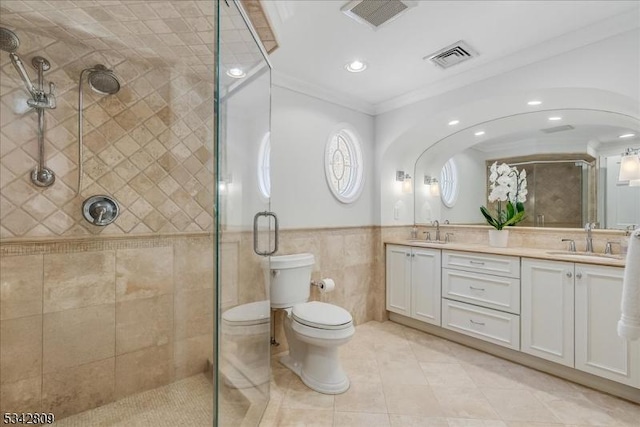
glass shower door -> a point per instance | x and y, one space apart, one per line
243 124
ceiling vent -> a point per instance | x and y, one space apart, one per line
452 55
374 13
557 129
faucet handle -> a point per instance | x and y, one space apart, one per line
572 244
428 237
447 237
607 248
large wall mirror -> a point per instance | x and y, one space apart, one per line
572 158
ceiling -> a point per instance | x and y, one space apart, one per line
316 40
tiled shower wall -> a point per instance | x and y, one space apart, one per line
90 314
87 322
149 146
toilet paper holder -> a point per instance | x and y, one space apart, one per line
324 285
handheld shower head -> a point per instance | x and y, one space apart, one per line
103 81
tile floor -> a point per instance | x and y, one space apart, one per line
404 377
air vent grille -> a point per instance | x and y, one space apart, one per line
557 129
452 55
375 12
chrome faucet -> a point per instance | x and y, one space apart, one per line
437 224
588 227
572 244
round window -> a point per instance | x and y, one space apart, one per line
449 184
343 165
264 169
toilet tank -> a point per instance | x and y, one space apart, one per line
290 279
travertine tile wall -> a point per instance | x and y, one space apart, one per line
86 323
150 146
351 257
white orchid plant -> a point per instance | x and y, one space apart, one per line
509 185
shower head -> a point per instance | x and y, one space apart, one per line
9 42
103 81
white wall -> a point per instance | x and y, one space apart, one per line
300 128
603 75
246 113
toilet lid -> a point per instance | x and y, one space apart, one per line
248 314
321 315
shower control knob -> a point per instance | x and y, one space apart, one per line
100 210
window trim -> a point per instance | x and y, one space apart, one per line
354 189
452 173
264 164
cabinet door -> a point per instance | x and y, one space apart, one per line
399 279
547 310
599 349
425 285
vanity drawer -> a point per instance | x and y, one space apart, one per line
489 325
499 265
497 292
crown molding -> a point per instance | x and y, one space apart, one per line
569 41
286 81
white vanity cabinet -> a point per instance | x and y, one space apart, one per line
547 310
481 296
413 282
570 314
599 350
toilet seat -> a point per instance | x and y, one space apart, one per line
253 313
321 315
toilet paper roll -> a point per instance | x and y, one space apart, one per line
326 285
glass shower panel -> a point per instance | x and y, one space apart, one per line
243 301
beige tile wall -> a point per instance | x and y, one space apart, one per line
149 146
84 323
351 257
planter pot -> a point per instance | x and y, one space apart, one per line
498 238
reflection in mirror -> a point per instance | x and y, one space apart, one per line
572 166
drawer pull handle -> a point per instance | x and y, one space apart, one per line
476 323
476 289
569 274
578 275
476 262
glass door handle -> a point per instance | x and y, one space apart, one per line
255 233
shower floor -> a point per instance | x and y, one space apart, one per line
187 402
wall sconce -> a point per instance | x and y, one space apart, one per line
405 178
630 167
223 184
434 187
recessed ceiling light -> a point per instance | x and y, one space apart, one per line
236 73
454 122
479 133
534 102
555 118
627 135
356 66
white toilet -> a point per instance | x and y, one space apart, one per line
314 330
245 353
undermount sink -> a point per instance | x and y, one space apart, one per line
439 242
590 255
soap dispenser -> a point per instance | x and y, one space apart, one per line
414 233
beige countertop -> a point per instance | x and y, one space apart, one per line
548 254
